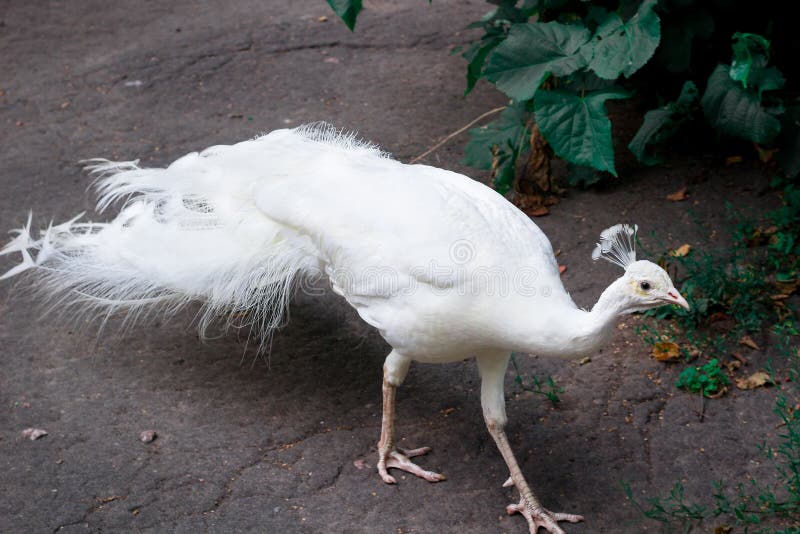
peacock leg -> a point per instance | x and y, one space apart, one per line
389 455
493 369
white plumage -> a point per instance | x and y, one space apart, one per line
442 266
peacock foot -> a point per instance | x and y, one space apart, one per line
398 458
539 517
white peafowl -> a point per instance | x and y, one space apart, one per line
443 266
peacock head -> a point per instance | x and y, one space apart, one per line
644 285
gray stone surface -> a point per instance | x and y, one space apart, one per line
246 445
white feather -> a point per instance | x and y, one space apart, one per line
617 245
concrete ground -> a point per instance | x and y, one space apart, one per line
290 446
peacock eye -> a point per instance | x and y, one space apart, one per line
645 286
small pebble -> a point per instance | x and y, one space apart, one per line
147 436
361 464
34 433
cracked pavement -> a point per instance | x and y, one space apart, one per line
288 444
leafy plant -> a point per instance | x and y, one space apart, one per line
708 379
509 137
560 61
563 72
662 123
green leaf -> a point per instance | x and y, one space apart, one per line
476 56
584 81
503 132
661 124
658 126
687 98
577 127
619 47
749 52
347 10
766 79
506 172
736 111
531 53
505 138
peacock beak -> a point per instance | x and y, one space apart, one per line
673 297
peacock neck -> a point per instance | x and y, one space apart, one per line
612 301
567 331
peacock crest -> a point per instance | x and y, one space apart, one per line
617 245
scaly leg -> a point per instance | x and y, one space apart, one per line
390 456
493 369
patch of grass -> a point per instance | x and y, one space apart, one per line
746 287
752 506
546 387
749 281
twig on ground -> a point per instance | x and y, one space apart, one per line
457 132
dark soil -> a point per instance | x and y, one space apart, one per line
243 444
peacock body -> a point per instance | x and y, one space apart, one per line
444 267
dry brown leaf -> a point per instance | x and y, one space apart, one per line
666 351
747 341
537 175
539 211
739 357
723 529
678 195
765 154
757 379
760 236
694 352
787 288
561 269
733 365
681 251
718 316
